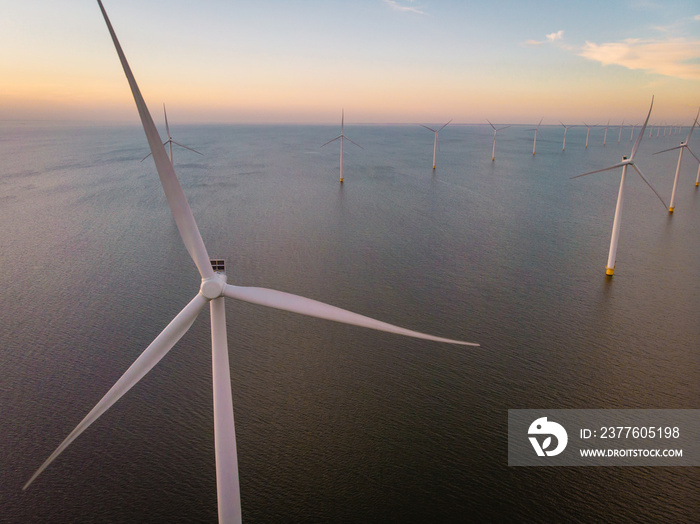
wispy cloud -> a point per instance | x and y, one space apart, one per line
676 57
399 7
550 38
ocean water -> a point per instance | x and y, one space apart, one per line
336 423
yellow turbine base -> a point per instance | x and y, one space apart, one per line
341 180
697 184
670 209
609 271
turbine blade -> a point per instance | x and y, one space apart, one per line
669 149
600 170
182 145
433 130
358 145
227 481
314 308
494 127
443 127
689 151
149 358
650 186
336 138
144 158
167 128
641 135
693 127
171 186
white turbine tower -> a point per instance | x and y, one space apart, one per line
536 129
566 128
170 140
213 290
605 136
684 145
495 131
435 144
619 135
589 132
342 137
632 132
610 267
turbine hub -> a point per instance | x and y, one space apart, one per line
213 287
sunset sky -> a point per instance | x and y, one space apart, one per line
301 61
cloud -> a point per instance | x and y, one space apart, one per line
550 38
676 57
399 7
555 36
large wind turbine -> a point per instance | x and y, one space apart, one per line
495 131
435 144
534 143
684 145
610 267
170 140
342 137
212 291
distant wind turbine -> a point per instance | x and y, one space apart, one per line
495 131
566 128
605 136
610 267
435 144
170 140
536 129
684 145
342 137
632 132
619 135
213 290
589 132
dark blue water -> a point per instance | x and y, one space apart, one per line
335 423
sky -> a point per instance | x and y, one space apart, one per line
382 61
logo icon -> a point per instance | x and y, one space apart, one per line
542 426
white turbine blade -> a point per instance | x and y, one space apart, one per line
171 186
314 308
504 127
336 138
538 125
182 145
443 127
227 481
693 126
641 134
669 149
167 128
433 130
601 170
689 151
144 158
358 145
494 127
149 358
650 186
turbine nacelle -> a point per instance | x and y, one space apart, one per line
213 287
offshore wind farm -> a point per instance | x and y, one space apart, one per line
335 423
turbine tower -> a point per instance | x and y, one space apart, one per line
342 137
536 129
495 131
589 132
605 136
610 267
566 128
684 145
436 142
213 290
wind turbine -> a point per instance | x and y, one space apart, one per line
632 132
342 137
684 145
495 130
170 140
589 132
605 136
566 128
213 290
619 135
534 143
610 267
435 144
